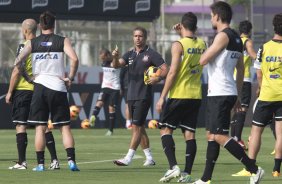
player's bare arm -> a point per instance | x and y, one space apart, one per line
13 82
250 49
73 61
259 78
220 42
239 81
176 52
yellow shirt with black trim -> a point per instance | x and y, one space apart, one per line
187 84
247 62
269 60
23 84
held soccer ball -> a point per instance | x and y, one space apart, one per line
74 112
151 72
85 124
153 124
50 124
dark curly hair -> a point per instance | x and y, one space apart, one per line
277 24
223 10
189 21
245 27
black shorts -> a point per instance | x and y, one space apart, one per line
246 94
46 101
138 110
182 113
21 100
218 113
265 111
109 94
125 94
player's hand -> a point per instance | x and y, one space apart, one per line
115 52
153 80
8 98
68 82
177 27
159 105
237 107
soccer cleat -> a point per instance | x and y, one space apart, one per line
21 166
242 144
275 174
202 182
243 172
122 162
273 152
54 165
92 120
185 178
149 163
256 178
170 174
39 168
109 133
73 166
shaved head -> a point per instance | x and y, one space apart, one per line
29 25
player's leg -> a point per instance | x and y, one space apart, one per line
113 101
97 108
278 142
51 146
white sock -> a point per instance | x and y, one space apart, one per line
148 154
130 155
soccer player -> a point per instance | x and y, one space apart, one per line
19 95
124 89
110 90
223 56
238 119
50 86
139 95
269 71
183 87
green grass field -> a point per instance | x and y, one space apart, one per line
95 153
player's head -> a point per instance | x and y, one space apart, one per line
189 21
47 20
245 27
277 24
104 54
29 27
139 36
220 11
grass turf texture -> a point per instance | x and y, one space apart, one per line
95 152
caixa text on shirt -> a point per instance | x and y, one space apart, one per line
46 56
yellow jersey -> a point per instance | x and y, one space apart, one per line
269 61
187 84
247 62
23 84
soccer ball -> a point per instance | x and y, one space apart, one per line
153 124
50 124
74 112
85 124
151 72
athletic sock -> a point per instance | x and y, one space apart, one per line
239 125
277 164
169 149
96 110
71 154
128 123
50 144
112 119
22 141
40 157
130 154
191 149
238 152
148 154
211 157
